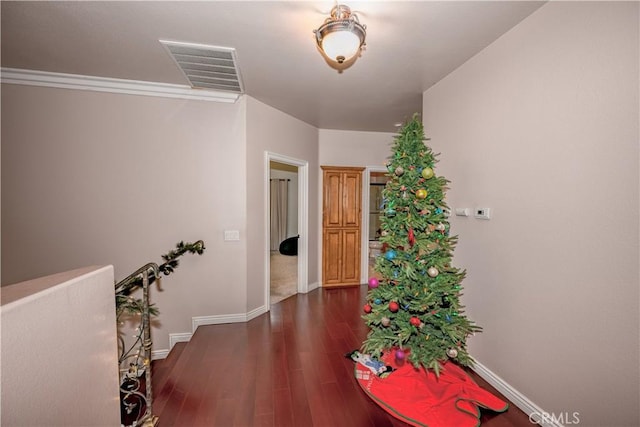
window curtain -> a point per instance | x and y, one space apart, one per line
279 204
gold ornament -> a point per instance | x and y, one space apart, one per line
427 173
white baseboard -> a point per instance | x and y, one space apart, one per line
226 318
173 340
312 286
176 338
521 401
256 312
159 354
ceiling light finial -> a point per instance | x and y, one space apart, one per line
341 37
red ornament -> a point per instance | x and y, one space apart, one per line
415 321
412 238
367 308
393 306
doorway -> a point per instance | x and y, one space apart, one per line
286 188
375 178
283 231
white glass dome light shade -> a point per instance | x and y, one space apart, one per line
340 45
341 37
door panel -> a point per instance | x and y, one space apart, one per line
351 256
351 199
332 200
332 256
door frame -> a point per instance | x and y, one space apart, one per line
364 244
303 222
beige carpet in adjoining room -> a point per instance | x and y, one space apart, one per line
284 276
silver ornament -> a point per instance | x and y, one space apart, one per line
432 272
452 352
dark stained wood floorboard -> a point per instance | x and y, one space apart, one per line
286 368
162 367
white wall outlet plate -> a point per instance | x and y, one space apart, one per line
462 211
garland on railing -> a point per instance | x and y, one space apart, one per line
134 359
124 288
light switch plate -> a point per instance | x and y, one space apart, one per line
231 235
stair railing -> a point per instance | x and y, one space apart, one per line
136 394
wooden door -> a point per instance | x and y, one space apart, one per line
341 212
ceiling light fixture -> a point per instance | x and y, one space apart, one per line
341 37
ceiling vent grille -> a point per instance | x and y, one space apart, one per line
206 67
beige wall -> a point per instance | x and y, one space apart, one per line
94 178
276 132
354 148
59 349
542 127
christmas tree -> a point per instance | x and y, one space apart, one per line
413 305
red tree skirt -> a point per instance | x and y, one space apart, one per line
419 398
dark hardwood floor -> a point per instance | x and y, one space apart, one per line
284 368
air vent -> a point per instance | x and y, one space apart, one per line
206 67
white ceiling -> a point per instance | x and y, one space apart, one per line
410 46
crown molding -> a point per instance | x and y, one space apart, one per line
103 84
